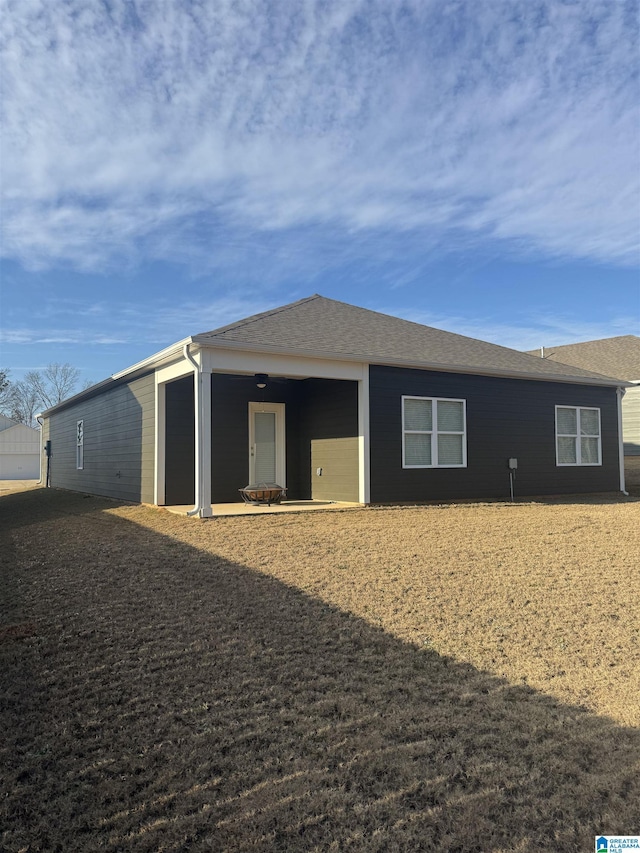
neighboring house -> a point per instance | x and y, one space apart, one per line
337 403
618 357
19 451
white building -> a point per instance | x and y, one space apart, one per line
19 451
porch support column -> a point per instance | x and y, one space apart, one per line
159 479
620 395
204 501
364 491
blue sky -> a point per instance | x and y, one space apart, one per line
168 167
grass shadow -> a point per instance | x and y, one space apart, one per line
172 700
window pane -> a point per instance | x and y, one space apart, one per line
589 449
567 451
417 414
589 422
567 422
450 416
450 450
417 449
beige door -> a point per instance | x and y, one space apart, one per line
267 443
335 469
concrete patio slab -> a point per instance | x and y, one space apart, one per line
263 509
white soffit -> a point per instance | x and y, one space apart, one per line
219 360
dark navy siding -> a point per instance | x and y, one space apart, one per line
505 417
230 398
314 408
328 410
180 442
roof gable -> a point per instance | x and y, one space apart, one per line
22 434
322 326
6 423
618 356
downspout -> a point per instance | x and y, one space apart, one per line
620 394
40 420
197 509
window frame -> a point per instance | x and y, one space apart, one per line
80 445
576 436
435 432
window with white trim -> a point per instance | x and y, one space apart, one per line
433 433
578 436
80 445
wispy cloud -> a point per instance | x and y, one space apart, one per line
528 333
180 130
56 336
129 322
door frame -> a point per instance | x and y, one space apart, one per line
281 445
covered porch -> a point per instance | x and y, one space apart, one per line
227 419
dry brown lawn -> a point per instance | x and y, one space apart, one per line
632 474
455 678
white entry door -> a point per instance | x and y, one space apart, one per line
267 443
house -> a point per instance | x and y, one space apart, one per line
618 357
339 403
19 451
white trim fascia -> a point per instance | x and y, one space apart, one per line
152 361
156 360
265 349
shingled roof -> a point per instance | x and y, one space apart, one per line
324 327
619 356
